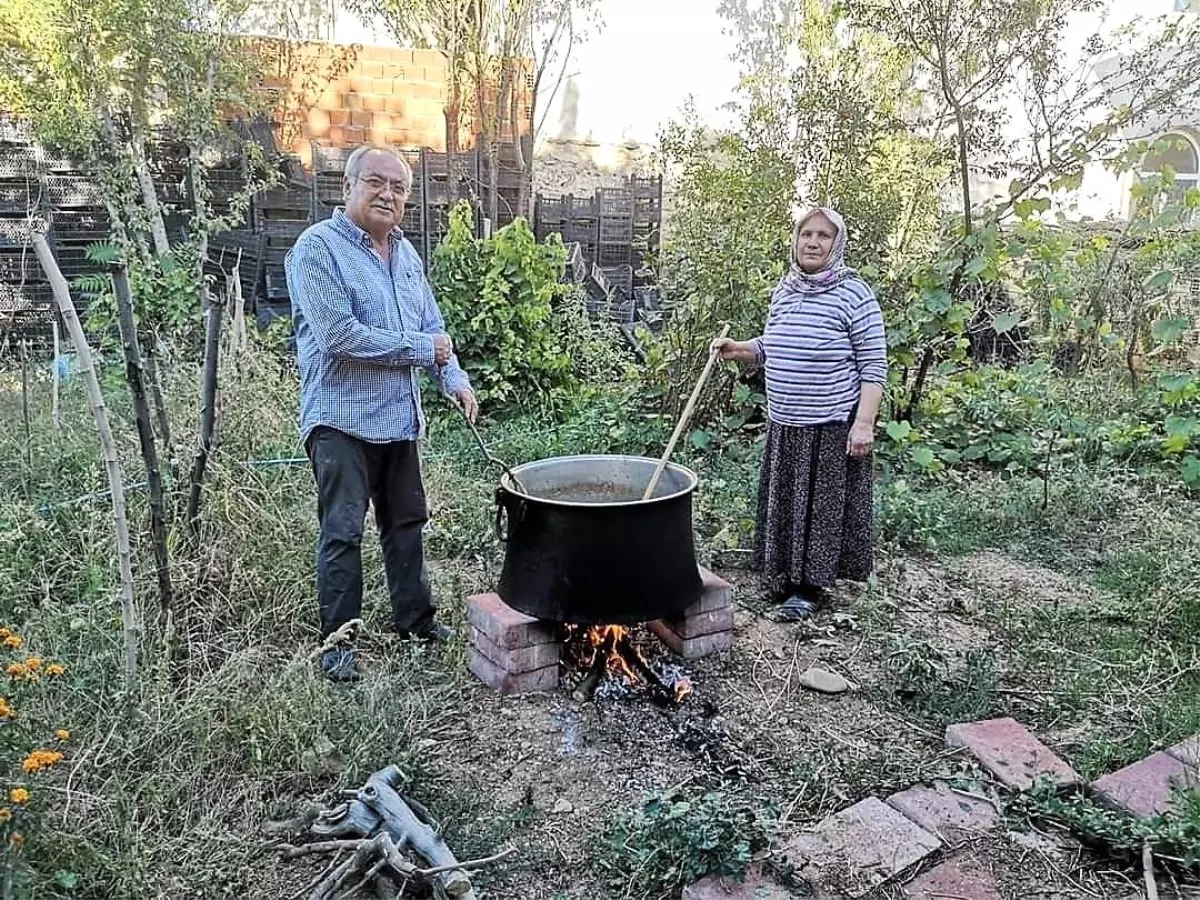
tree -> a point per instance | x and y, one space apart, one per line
489 46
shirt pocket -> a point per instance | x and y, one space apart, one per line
372 301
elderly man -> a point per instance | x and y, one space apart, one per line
366 323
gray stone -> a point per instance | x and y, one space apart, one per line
824 682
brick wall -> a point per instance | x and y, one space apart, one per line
346 95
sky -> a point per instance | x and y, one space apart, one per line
651 56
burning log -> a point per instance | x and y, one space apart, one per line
379 825
612 648
596 671
661 693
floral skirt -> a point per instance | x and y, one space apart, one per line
815 521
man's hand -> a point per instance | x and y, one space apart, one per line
470 406
442 348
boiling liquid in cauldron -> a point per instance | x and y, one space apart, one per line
591 493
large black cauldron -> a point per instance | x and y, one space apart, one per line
581 546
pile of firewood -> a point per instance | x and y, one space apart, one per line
381 842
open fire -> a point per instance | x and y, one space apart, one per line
610 649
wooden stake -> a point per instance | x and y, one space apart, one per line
135 376
54 377
208 410
685 418
1148 872
108 452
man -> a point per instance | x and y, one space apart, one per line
366 322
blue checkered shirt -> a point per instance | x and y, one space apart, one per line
364 330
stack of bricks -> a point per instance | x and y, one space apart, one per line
509 651
706 627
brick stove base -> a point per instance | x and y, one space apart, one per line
516 654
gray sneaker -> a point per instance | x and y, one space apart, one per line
797 609
340 666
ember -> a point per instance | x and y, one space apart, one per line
606 649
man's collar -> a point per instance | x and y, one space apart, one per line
346 225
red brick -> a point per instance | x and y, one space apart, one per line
951 816
339 117
506 627
689 627
1145 788
1187 751
421 90
518 660
716 595
371 68
503 682
361 84
960 878
427 58
397 105
1010 752
861 847
692 648
374 103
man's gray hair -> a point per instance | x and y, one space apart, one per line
354 163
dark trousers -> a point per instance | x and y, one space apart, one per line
349 472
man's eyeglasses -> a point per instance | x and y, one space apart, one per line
376 184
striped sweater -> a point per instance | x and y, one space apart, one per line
818 350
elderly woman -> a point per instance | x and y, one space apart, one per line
825 358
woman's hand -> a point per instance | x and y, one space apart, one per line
861 439
729 349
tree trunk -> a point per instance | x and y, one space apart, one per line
135 375
162 417
158 228
208 409
108 452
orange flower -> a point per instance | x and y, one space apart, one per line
6 711
55 669
17 840
5 632
5 815
19 796
33 663
14 641
62 734
40 759
16 670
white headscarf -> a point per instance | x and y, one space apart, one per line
833 273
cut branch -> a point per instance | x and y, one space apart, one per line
135 375
108 452
208 410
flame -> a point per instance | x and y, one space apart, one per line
610 636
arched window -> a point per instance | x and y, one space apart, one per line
1179 153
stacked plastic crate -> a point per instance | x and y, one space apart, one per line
24 291
436 187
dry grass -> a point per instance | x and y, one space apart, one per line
170 801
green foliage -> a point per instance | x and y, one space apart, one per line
676 839
1174 835
498 296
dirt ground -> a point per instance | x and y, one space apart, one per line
562 768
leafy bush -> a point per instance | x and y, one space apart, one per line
497 295
673 841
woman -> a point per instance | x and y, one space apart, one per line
826 365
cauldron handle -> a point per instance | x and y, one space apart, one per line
502 513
